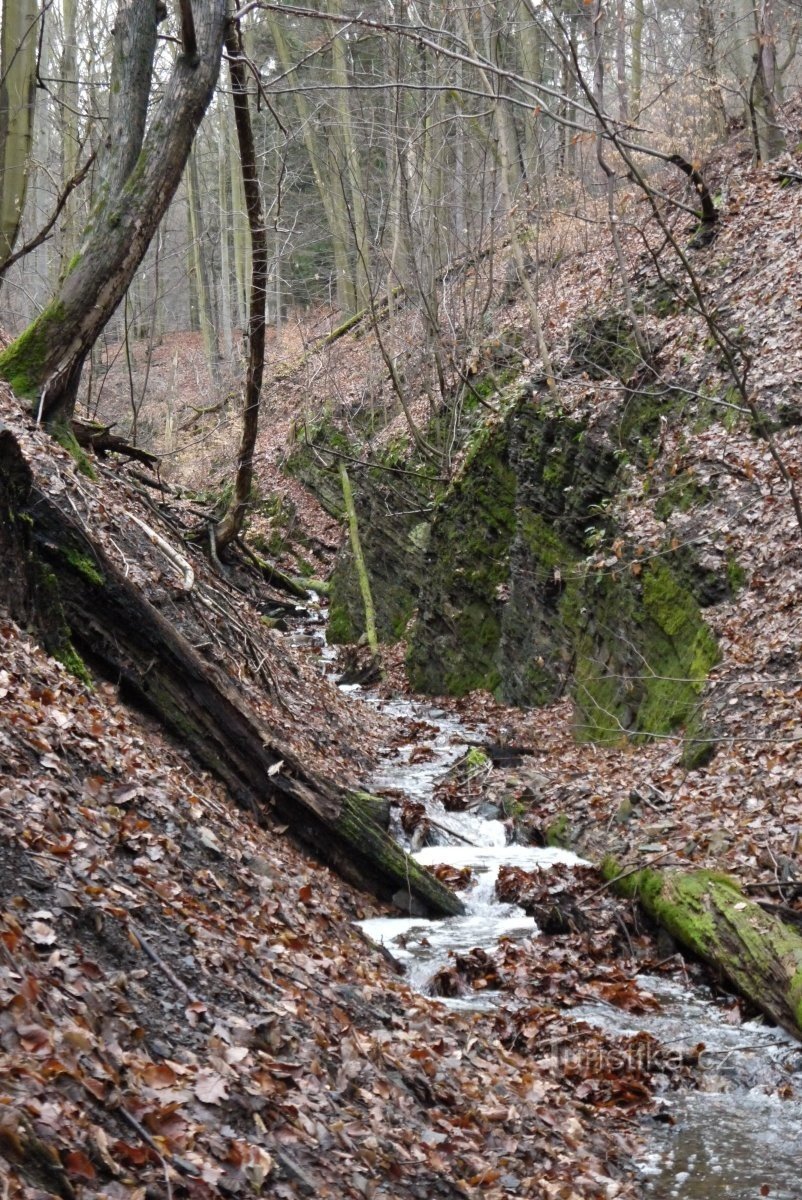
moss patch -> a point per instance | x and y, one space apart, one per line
22 363
605 346
66 439
71 659
643 654
84 566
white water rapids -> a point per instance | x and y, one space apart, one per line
735 1138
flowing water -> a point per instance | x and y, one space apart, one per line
735 1138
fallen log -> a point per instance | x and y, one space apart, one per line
59 579
706 912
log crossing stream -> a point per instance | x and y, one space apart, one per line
738 1137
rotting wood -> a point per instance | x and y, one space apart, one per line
113 621
91 435
706 912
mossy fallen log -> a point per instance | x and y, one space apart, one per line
58 579
707 913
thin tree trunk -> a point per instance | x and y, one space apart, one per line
348 165
200 266
336 218
232 523
359 559
707 40
140 177
224 205
770 134
636 90
69 97
20 33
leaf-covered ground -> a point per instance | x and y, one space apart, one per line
186 1008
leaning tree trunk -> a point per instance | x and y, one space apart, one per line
59 580
140 172
707 913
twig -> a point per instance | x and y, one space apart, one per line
161 964
176 1164
291 1167
175 558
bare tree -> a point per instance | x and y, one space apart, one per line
20 32
141 167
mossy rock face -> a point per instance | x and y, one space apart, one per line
508 605
388 508
316 469
503 550
455 643
643 653
391 498
564 480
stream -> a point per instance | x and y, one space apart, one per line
735 1138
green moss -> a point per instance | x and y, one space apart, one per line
22 364
340 630
558 833
71 659
641 418
682 494
356 824
476 759
643 653
736 575
85 566
66 439
605 346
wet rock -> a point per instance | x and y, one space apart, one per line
409 904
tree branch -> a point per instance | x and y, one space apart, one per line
189 41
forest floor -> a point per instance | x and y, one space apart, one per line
186 1007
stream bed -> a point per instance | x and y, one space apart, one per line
739 1136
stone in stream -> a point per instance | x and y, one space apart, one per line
409 904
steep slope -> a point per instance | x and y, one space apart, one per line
186 1006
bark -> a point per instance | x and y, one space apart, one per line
200 268
233 522
20 31
63 584
347 164
706 912
710 67
770 134
636 90
140 176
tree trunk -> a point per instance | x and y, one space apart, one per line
141 172
200 267
707 913
61 581
710 69
20 33
233 521
770 135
